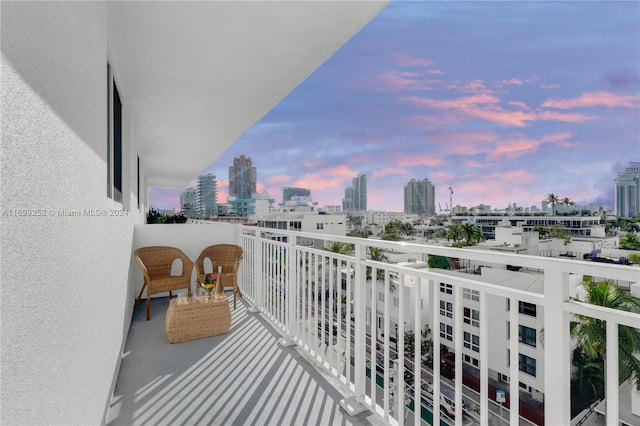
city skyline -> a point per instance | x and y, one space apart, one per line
505 101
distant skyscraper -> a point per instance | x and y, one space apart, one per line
188 202
420 197
289 192
242 178
355 196
627 196
206 196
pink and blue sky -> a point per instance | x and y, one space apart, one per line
506 101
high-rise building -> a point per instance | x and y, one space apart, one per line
242 178
355 196
420 197
206 196
289 192
627 196
188 202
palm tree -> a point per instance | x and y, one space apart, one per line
567 202
553 199
379 255
472 233
454 232
590 333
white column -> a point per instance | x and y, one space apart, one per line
557 355
611 374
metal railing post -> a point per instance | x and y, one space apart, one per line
259 274
290 293
355 405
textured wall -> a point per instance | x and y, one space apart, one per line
65 302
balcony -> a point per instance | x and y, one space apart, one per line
296 354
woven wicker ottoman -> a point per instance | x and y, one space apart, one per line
197 319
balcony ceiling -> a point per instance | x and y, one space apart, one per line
197 75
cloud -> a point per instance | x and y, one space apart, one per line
279 179
405 60
549 86
594 99
513 81
402 80
565 117
485 107
516 147
464 143
518 104
334 177
388 171
622 79
476 86
411 160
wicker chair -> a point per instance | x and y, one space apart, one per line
228 256
155 263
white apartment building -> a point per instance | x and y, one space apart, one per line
332 209
627 191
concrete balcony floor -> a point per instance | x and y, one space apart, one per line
240 378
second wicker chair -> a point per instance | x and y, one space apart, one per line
228 257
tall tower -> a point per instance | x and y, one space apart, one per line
355 196
627 195
188 202
242 178
289 192
419 197
206 196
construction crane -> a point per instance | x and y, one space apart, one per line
451 199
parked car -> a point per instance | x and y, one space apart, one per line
447 398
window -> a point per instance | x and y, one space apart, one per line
138 182
116 129
319 226
471 316
527 335
471 294
527 365
471 341
527 308
396 302
446 309
446 331
114 139
446 288
470 360
380 297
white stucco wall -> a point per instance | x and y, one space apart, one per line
66 300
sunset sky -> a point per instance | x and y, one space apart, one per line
505 101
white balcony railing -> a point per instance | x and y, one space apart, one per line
301 288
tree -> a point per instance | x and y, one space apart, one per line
634 258
472 233
590 333
630 242
438 262
567 202
553 199
455 233
379 255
